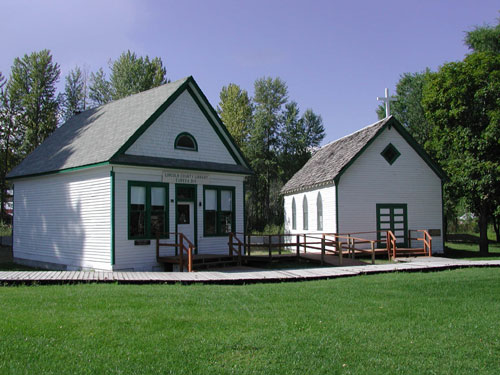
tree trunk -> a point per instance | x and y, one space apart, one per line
483 231
496 226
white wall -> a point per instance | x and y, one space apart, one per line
329 221
64 219
183 115
371 180
143 257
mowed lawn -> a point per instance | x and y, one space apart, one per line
420 323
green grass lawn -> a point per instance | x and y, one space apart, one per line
409 323
466 246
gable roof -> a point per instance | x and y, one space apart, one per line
331 160
103 134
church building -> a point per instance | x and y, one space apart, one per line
371 181
99 190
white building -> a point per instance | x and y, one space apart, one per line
98 190
376 179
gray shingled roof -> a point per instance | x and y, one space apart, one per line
330 159
95 135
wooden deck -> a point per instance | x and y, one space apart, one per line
241 275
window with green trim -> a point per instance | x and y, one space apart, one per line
305 214
294 214
147 210
390 153
319 212
218 210
185 141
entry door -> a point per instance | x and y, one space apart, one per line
185 219
392 217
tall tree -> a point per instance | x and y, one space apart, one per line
484 38
462 102
100 90
75 93
33 84
269 98
235 110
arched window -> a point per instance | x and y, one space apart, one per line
319 211
305 214
185 141
294 214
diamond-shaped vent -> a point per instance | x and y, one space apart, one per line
390 153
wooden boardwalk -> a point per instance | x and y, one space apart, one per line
235 276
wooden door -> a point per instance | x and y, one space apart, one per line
393 217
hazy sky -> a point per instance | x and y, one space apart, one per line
336 56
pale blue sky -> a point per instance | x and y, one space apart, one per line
336 56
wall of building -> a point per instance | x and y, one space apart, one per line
64 219
371 180
128 255
183 115
329 215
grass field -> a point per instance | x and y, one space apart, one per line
421 323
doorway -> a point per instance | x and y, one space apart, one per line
393 217
185 212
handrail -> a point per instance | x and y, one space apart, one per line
189 250
426 239
233 237
391 244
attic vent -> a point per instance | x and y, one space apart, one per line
390 153
185 141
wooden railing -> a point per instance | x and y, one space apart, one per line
391 244
182 245
240 244
426 240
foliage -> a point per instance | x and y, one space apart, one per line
412 323
235 109
100 91
484 38
33 86
462 102
75 93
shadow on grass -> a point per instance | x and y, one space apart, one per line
466 245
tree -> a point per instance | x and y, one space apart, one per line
407 107
100 91
270 96
75 93
235 110
484 38
461 102
33 85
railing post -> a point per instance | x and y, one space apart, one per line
353 241
249 245
181 251
190 259
373 252
430 246
409 238
231 244
305 244
323 249
297 245
279 244
239 253
157 246
338 244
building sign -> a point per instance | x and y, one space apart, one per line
184 178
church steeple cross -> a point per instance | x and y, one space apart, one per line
387 100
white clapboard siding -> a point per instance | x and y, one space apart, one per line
329 218
64 219
371 180
183 115
143 257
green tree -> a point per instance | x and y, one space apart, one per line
33 85
75 93
484 38
269 98
235 110
462 102
100 90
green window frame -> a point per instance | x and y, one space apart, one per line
390 153
149 213
215 219
183 138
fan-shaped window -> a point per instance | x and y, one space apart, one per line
185 141
305 214
319 211
294 214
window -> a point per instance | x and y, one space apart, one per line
147 209
294 214
319 212
390 153
185 141
219 207
305 214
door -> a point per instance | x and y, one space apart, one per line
393 217
185 219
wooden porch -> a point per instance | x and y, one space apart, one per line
326 248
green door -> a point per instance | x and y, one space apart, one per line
393 217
